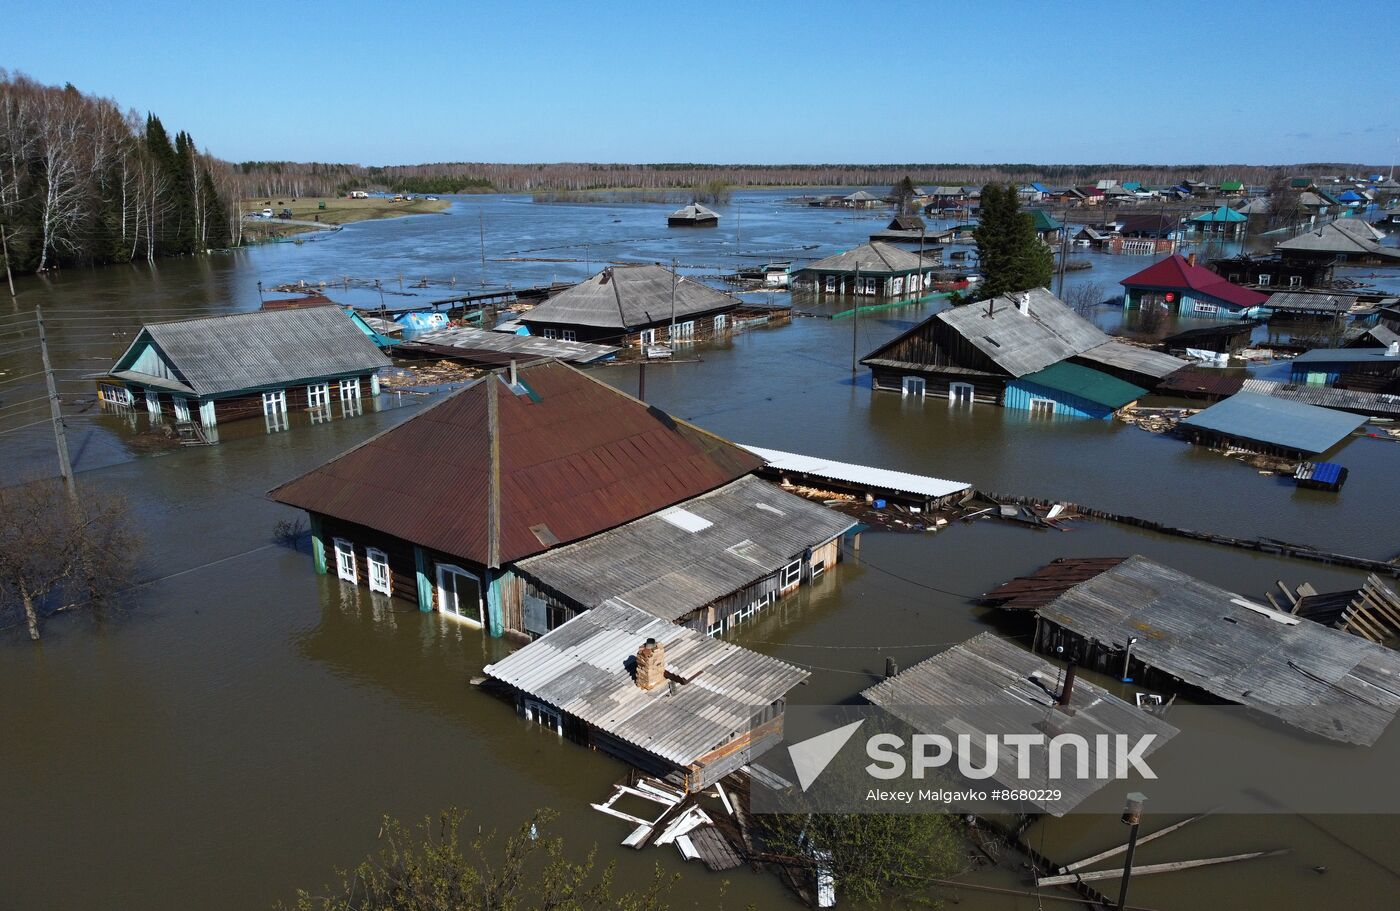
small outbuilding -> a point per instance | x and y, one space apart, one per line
693 216
1070 390
1274 426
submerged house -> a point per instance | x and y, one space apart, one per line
998 351
217 369
536 493
1262 423
1348 240
1142 235
674 703
1327 366
634 306
1047 226
693 216
1221 220
1190 290
874 268
1277 271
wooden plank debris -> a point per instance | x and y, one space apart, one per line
1147 869
1111 852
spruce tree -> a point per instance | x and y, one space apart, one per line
1012 257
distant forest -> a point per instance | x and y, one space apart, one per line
82 182
268 178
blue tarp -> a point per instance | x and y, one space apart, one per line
1277 422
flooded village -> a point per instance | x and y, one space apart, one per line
470 536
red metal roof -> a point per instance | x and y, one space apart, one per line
1175 272
573 457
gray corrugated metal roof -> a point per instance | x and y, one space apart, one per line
1264 419
874 258
667 571
581 668
987 685
1130 357
1022 343
1347 356
1331 238
531 346
694 210
1311 301
1354 400
629 297
1333 684
221 354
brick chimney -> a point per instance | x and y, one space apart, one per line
651 665
1067 693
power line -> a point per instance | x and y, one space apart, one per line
24 426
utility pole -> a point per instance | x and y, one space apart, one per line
855 318
921 259
5 249
1132 816
65 469
671 341
481 225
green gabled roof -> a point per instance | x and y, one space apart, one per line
1044 221
1132 185
1300 183
1231 186
1086 383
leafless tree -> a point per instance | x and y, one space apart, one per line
1085 297
56 554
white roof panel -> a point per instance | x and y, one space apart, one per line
859 474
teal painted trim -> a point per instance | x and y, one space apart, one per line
318 546
495 613
425 587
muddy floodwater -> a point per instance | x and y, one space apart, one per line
238 729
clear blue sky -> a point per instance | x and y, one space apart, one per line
1236 81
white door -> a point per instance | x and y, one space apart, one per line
345 560
960 393
459 594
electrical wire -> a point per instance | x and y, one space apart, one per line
24 427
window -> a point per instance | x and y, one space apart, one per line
182 409
1264 279
870 286
1235 277
647 337
791 574
153 402
275 402
345 560
897 286
378 571
116 395
830 284
1042 408
545 715
350 390
720 322
818 567
961 393
318 394
913 385
1295 281
569 335
549 333
714 629
1203 307
683 331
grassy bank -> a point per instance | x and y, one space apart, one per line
337 211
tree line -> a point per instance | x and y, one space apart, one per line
84 183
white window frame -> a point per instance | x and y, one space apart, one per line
380 579
791 574
443 569
897 285
345 560
318 395
870 286
647 337
1264 279
1204 307
549 333
960 393
182 408
682 332
153 402
721 320
1295 281
830 284
118 395
275 402
1037 406
714 629
913 385
546 716
350 390
569 335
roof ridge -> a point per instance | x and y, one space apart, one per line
617 296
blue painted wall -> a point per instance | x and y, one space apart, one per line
1019 394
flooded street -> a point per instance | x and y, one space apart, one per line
237 732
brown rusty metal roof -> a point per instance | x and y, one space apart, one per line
562 457
1049 582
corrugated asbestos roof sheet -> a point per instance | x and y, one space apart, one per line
1022 343
1130 357
986 685
874 258
1176 273
754 530
626 297
576 456
581 668
1347 356
522 346
1290 425
1378 404
1086 383
1333 684
1311 301
878 478
694 211
1332 238
220 354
